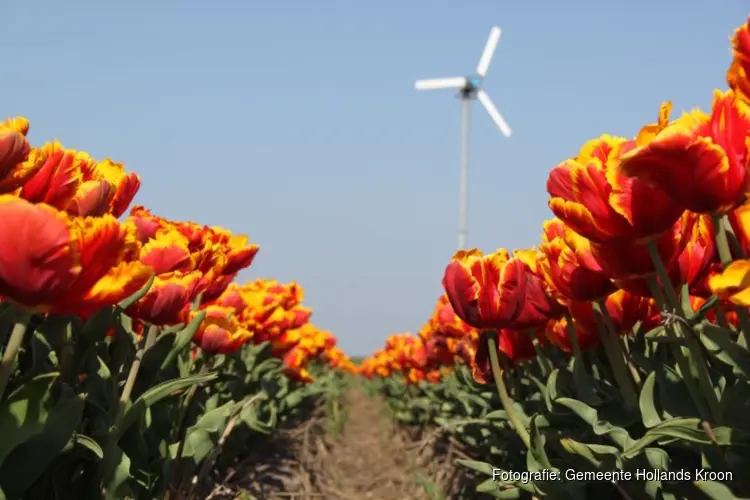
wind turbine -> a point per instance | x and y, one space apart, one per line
470 88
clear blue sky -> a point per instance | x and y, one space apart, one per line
297 122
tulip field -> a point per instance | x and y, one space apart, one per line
611 361
133 364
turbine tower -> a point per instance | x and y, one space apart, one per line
470 88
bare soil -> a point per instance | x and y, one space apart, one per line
369 459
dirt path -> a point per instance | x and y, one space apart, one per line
370 460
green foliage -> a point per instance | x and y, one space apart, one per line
336 411
93 411
431 489
578 420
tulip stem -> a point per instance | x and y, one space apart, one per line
187 405
721 318
734 245
543 368
544 362
701 367
661 271
698 364
688 367
725 255
11 352
513 417
576 347
722 243
629 360
615 356
133 374
67 352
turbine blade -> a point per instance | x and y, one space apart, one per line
494 113
440 83
489 51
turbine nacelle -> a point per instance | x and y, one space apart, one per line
471 87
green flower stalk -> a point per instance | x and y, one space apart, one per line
574 340
502 392
680 329
11 352
615 355
135 367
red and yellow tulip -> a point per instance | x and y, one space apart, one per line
68 254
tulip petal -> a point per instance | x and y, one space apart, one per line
37 262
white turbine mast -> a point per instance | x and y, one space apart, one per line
470 88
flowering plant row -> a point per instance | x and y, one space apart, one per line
620 343
128 348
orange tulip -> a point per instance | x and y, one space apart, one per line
294 359
493 291
738 76
591 198
436 351
542 300
466 351
650 131
733 283
233 297
625 309
122 186
215 284
18 161
444 319
739 219
167 300
220 332
561 267
214 252
53 262
146 223
700 161
626 259
434 376
167 252
90 198
212 247
415 376
72 181
281 320
240 252
693 238
17 124
286 296
557 333
58 180
416 354
694 262
281 341
14 148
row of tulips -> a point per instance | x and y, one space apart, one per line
129 352
620 343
